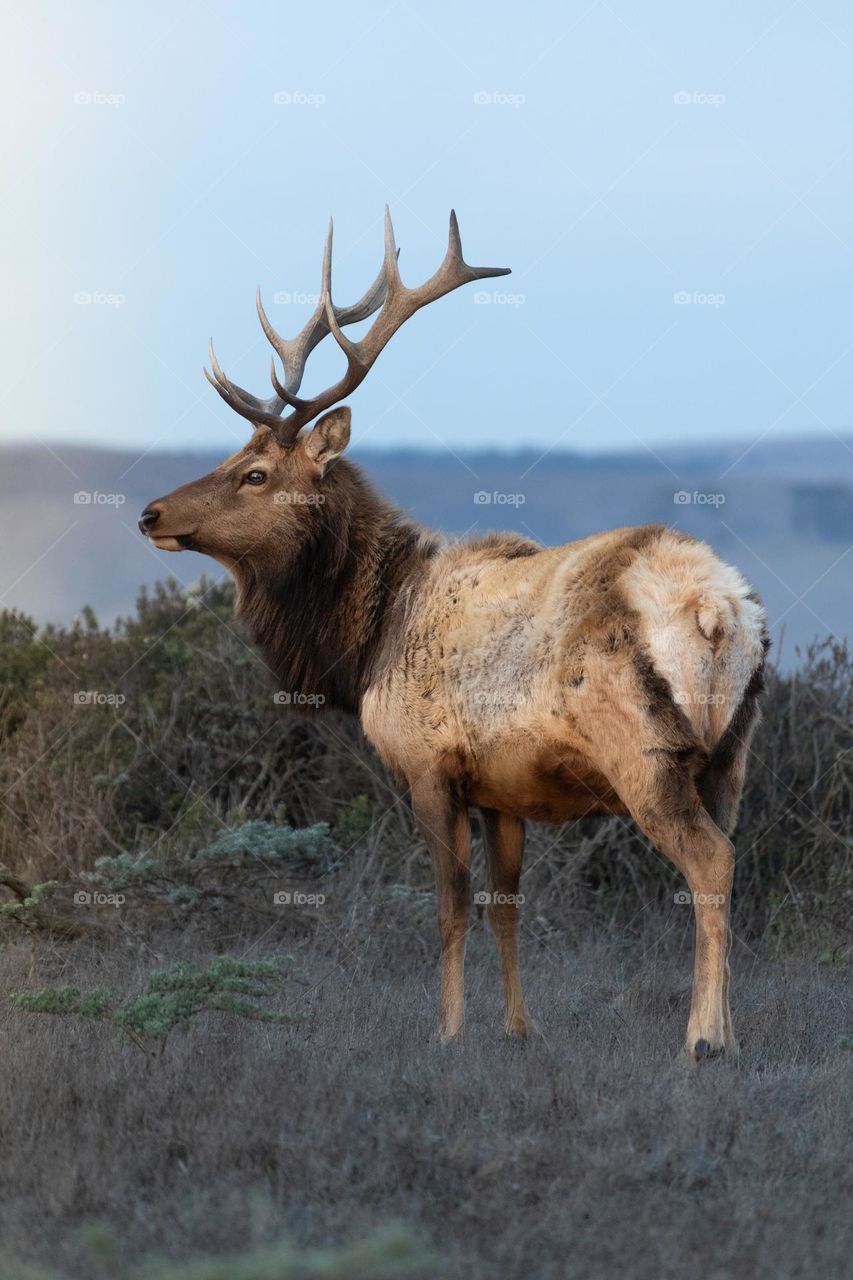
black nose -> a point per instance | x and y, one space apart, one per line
148 519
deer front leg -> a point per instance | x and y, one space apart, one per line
444 825
504 840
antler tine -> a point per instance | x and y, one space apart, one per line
294 352
392 253
397 302
454 270
284 395
350 349
400 305
240 400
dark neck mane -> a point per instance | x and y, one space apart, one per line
321 619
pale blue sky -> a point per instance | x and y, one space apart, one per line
178 183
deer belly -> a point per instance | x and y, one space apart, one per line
550 786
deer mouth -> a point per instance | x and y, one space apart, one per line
172 541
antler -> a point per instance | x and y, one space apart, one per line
388 292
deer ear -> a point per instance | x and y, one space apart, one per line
330 436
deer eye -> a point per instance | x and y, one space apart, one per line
254 477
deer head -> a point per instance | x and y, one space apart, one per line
264 501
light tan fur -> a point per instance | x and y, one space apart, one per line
513 667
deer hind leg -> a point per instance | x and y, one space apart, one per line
720 787
659 788
675 820
444 824
504 841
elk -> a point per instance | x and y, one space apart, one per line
619 674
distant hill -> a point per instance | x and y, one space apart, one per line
783 512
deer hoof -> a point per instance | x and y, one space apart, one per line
704 1049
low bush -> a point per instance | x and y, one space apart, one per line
154 753
172 998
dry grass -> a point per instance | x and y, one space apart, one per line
590 1151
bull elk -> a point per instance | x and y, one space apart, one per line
619 674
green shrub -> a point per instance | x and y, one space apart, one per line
172 998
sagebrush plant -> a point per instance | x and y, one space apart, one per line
29 910
235 869
172 998
33 910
